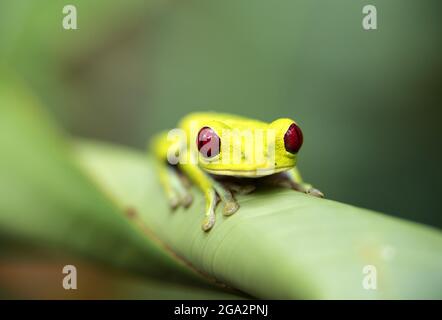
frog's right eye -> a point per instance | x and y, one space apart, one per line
208 142
293 139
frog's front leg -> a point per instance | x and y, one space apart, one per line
211 189
176 191
292 179
174 185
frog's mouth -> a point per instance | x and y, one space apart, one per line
255 173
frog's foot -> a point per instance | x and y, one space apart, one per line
176 200
186 199
226 197
307 189
314 192
176 191
218 194
284 180
208 222
173 200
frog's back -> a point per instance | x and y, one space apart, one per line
233 121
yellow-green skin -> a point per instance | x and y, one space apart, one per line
201 171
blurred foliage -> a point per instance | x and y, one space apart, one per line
367 101
34 273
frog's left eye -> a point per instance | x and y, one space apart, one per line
208 142
293 139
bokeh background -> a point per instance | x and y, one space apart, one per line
369 102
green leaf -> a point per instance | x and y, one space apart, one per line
281 243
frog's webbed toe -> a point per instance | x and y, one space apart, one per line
213 196
230 208
308 189
287 180
226 197
177 193
173 200
186 200
176 200
208 222
315 192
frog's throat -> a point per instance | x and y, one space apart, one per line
255 173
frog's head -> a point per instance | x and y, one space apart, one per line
253 151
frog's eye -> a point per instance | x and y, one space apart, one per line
293 139
208 142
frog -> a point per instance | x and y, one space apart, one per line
217 152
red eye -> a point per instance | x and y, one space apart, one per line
208 142
293 139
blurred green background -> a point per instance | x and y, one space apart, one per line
369 102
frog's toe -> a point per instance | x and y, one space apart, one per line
315 192
187 200
208 222
174 202
230 208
